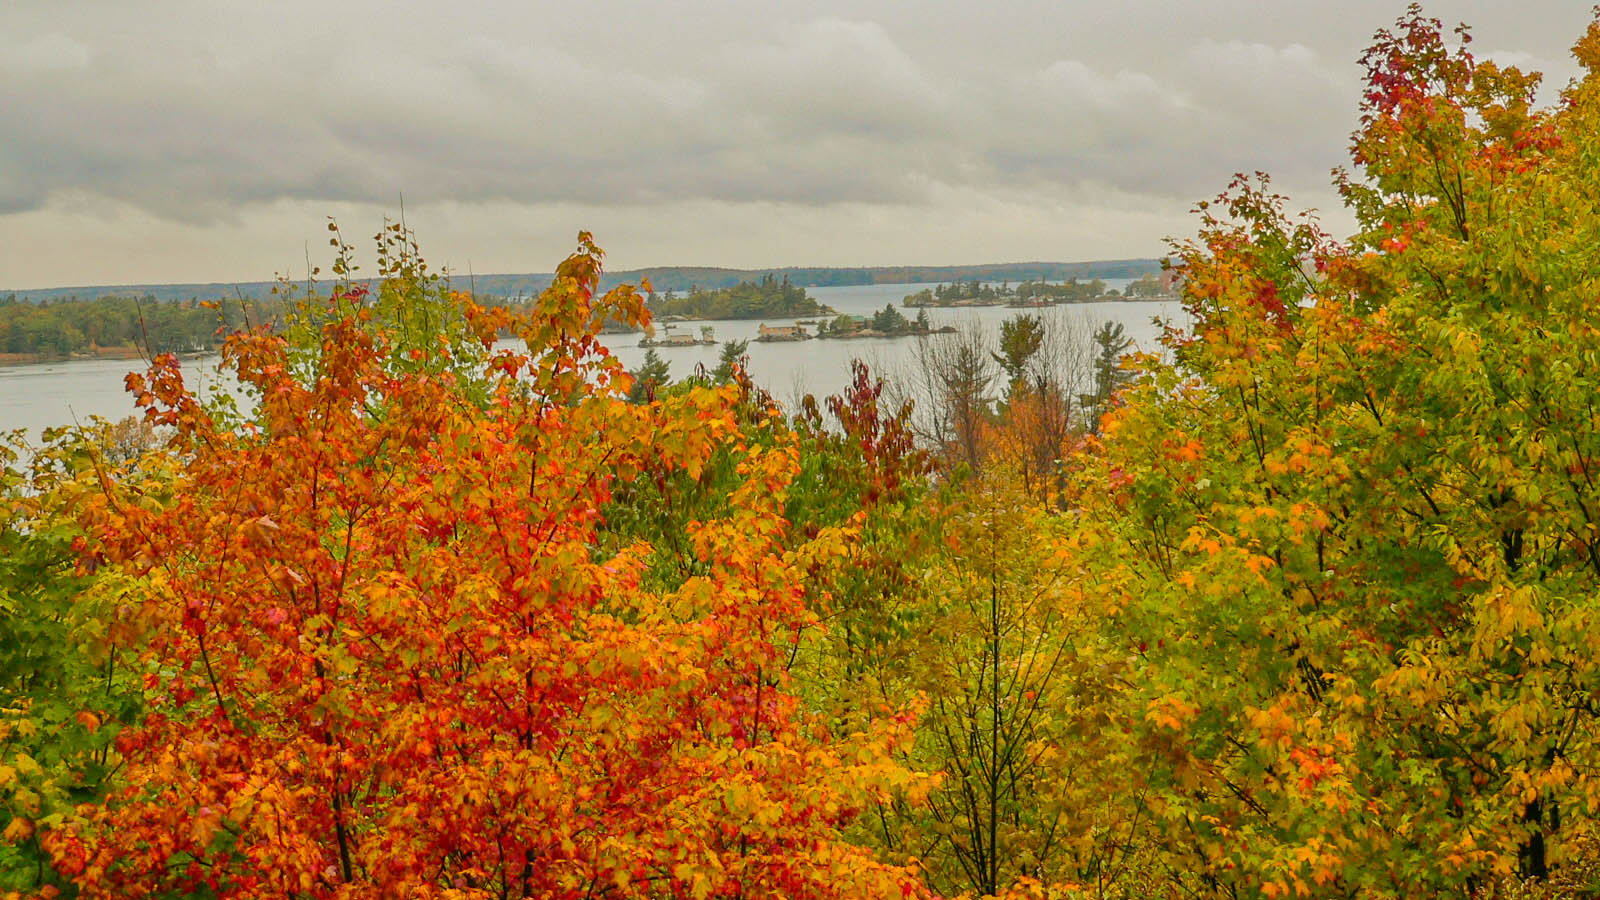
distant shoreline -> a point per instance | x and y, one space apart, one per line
34 359
1013 303
11 360
661 278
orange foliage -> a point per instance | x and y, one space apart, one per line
389 659
1034 438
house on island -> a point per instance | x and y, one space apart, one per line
707 336
769 333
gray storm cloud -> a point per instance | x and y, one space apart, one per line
201 112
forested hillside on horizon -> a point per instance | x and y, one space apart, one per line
661 278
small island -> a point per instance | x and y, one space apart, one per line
961 293
768 298
886 322
1033 294
1043 293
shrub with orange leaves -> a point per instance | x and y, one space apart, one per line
388 658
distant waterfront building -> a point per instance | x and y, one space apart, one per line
770 333
707 336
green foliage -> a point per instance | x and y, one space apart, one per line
63 688
992 651
886 322
842 325
1021 336
889 321
408 307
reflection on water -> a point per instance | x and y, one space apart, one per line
51 394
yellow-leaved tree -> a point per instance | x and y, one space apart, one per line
1357 519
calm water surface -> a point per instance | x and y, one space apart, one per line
51 394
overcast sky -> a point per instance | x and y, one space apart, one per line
200 140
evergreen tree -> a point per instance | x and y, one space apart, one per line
889 320
648 378
733 354
1111 342
1021 336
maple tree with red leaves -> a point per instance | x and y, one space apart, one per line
388 661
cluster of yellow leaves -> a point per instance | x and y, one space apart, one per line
1353 522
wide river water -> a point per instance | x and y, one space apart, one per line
40 396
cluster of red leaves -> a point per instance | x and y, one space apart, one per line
883 438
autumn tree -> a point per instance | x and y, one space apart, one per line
1354 521
860 461
1036 430
1014 697
388 655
